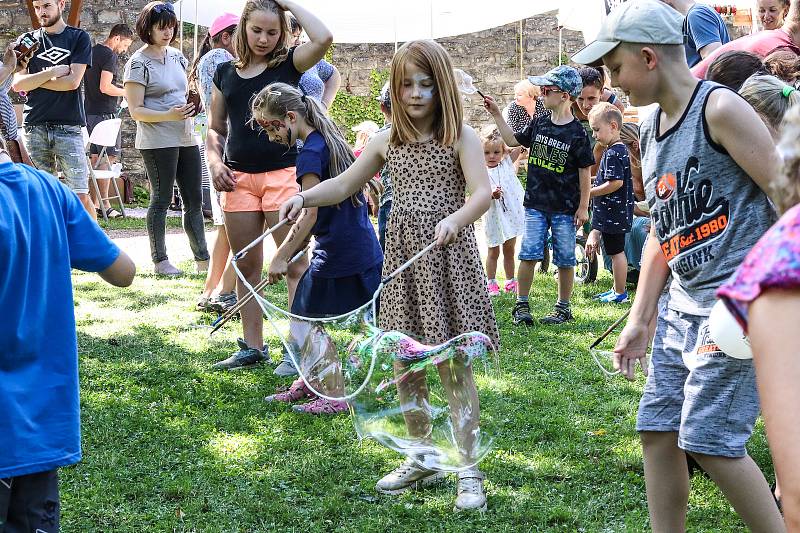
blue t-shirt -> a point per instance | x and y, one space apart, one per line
702 26
44 233
71 46
345 239
558 151
613 213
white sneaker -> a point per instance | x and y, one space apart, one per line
165 268
470 491
407 476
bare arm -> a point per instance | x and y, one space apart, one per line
70 82
134 94
221 175
585 181
29 82
606 188
107 87
772 327
505 130
320 37
333 191
331 88
736 127
707 49
121 271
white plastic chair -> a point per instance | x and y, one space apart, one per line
105 135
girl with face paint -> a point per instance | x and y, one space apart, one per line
433 157
254 173
345 268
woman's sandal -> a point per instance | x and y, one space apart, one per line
322 406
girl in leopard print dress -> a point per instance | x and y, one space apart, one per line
433 157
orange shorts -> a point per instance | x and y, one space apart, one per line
265 191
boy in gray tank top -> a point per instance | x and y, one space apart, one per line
706 158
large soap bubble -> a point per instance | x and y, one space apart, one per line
418 400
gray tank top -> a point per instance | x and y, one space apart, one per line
706 211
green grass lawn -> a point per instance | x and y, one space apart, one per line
170 445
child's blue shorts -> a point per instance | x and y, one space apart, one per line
534 238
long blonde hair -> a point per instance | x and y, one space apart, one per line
449 115
787 185
770 96
277 99
281 51
629 135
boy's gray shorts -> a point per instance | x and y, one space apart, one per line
693 388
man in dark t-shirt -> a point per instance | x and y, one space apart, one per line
101 99
53 114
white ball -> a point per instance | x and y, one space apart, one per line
727 333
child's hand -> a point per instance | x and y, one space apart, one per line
446 232
592 244
291 208
581 216
497 193
631 347
491 106
277 269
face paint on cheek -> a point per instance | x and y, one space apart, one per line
426 91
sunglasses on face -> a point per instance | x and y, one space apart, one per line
548 90
160 8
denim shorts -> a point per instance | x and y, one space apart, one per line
49 144
694 389
534 239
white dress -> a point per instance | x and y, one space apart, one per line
505 218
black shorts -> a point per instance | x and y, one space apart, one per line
613 243
94 120
30 503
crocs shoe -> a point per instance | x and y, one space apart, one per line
511 286
322 406
298 391
493 288
471 496
407 476
246 357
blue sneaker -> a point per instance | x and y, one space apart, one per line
602 295
615 298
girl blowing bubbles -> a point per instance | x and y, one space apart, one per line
345 268
504 220
432 158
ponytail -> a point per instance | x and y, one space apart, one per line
277 99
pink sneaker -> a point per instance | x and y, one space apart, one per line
298 391
511 286
493 288
321 406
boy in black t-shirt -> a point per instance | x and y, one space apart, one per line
557 193
612 213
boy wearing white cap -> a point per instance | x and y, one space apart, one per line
706 160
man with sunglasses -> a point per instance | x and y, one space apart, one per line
53 113
557 190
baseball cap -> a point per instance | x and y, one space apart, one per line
226 20
564 77
635 21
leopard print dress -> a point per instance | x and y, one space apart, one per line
444 293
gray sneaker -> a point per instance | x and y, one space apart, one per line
245 358
471 496
286 367
407 476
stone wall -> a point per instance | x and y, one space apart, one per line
491 57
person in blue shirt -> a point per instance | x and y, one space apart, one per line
44 233
612 213
704 29
347 260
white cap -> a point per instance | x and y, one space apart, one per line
635 21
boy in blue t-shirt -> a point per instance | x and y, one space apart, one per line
44 233
612 213
557 191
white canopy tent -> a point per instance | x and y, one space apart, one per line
390 21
